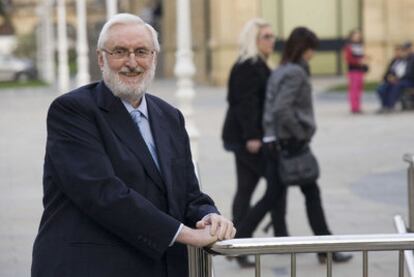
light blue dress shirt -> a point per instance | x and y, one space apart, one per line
140 117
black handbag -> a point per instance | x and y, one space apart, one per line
298 167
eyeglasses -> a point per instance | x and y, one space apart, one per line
120 53
268 37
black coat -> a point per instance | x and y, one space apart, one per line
245 97
108 210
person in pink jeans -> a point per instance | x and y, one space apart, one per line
356 60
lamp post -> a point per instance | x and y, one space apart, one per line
63 70
49 44
82 76
45 43
184 70
111 8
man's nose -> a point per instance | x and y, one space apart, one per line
132 61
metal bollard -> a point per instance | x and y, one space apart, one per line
410 178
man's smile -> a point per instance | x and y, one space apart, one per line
130 74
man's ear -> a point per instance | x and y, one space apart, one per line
100 58
155 59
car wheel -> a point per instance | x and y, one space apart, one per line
22 77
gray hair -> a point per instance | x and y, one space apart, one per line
248 39
126 19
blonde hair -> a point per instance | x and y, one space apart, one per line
248 39
126 18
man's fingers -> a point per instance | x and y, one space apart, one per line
224 228
229 232
219 226
233 233
200 224
221 233
214 225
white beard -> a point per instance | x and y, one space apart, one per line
128 91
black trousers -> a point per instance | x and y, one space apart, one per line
249 169
274 200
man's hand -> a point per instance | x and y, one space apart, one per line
196 237
220 227
253 145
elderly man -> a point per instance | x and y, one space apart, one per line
120 194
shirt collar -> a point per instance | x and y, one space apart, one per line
142 108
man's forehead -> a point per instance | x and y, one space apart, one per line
129 34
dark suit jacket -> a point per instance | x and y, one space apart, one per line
107 209
245 97
389 70
409 72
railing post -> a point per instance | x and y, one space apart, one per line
365 263
199 262
401 263
293 265
409 257
329 264
257 267
410 178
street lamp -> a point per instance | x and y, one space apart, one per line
184 70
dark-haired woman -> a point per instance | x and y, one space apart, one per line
289 123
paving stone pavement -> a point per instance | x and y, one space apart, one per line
363 179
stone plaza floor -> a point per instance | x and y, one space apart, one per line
363 177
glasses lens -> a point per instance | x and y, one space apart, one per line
120 53
142 52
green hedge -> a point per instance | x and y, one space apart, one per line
15 84
368 87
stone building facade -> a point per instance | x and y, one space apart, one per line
216 25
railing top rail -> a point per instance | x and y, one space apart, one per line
372 242
409 158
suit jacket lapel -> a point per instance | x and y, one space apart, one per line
126 129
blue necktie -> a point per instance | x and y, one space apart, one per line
144 127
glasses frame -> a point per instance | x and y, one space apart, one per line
127 53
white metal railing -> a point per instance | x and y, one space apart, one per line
201 263
409 257
409 158
200 260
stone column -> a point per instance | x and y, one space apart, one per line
385 24
63 70
82 76
184 70
225 33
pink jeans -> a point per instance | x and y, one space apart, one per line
355 82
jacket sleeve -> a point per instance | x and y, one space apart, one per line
248 101
286 95
85 175
198 204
